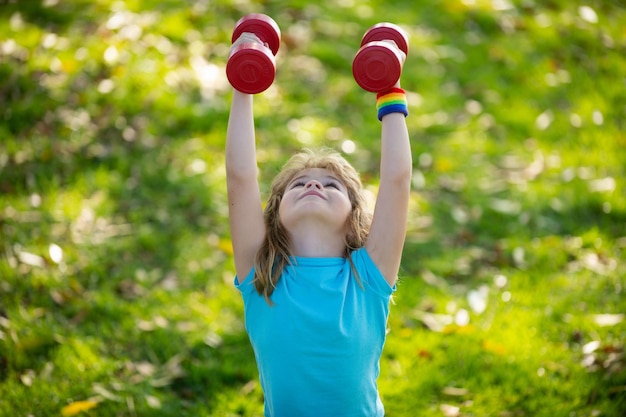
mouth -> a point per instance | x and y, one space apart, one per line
312 193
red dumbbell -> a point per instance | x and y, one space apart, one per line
251 67
377 66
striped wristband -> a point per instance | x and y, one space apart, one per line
391 101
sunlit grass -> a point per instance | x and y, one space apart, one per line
116 270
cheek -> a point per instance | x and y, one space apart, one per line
283 207
348 205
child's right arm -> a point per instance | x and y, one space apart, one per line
247 227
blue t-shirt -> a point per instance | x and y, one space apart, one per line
318 347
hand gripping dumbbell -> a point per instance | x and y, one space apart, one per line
251 66
377 66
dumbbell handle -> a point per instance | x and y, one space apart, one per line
251 66
378 64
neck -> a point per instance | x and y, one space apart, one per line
309 243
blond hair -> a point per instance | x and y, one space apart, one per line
274 254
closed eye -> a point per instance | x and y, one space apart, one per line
297 184
332 184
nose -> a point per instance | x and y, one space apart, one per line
313 183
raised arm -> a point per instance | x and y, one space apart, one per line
388 230
244 200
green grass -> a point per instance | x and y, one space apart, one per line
116 268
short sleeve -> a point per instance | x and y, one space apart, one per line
370 274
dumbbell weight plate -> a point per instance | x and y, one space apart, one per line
387 31
261 25
251 68
377 66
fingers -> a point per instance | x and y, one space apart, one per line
395 46
247 37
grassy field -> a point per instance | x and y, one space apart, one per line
116 295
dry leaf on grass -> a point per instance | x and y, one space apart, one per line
78 407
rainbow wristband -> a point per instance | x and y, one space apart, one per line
391 101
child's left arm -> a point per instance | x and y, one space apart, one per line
386 239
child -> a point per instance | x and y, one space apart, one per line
315 269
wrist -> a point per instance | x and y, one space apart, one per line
391 101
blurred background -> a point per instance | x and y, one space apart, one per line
116 270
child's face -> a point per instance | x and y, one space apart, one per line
315 193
